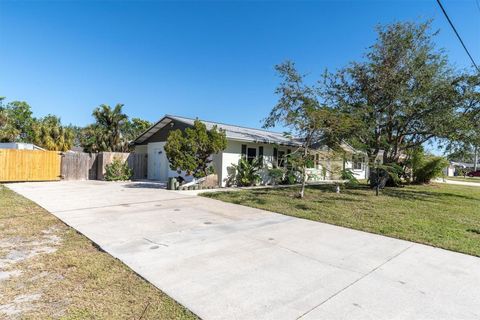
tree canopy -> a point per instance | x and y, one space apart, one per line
18 125
403 94
300 110
112 130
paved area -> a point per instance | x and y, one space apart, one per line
225 261
461 183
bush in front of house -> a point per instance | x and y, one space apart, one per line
430 168
348 175
246 173
276 175
389 175
117 170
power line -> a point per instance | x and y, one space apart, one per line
458 36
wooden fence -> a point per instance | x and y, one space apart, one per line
85 166
136 161
35 165
29 165
79 166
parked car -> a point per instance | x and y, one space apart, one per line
474 173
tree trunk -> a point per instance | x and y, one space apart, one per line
304 173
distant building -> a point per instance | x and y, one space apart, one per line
19 146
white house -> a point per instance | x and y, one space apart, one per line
19 146
247 142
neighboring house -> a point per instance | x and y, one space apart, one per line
247 142
454 168
19 146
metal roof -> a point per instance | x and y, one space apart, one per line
232 132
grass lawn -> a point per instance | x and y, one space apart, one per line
446 216
49 271
468 179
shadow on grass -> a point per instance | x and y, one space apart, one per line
424 195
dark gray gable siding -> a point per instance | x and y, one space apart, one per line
162 134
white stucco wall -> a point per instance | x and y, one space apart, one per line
159 168
158 164
233 152
359 174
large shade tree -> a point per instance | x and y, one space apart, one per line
402 95
16 122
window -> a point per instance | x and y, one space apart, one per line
275 157
244 151
357 163
251 154
260 155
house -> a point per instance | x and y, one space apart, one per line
19 146
244 142
456 168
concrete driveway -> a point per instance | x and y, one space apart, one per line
225 261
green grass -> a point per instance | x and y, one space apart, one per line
73 279
468 179
441 215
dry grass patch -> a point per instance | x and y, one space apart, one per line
49 271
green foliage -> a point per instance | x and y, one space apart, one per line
135 127
302 110
246 173
290 177
429 168
403 94
118 170
276 175
112 130
191 151
386 175
16 122
48 133
18 125
106 134
347 174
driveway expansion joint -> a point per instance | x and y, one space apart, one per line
356 281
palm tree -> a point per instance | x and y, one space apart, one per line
49 133
108 128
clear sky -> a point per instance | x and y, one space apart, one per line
212 60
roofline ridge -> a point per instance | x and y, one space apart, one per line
227 124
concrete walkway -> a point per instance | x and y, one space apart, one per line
225 261
460 183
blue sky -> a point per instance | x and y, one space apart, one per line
212 59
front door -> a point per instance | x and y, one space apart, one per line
157 163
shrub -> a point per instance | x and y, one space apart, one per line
347 174
290 177
276 175
117 170
389 175
430 168
246 173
